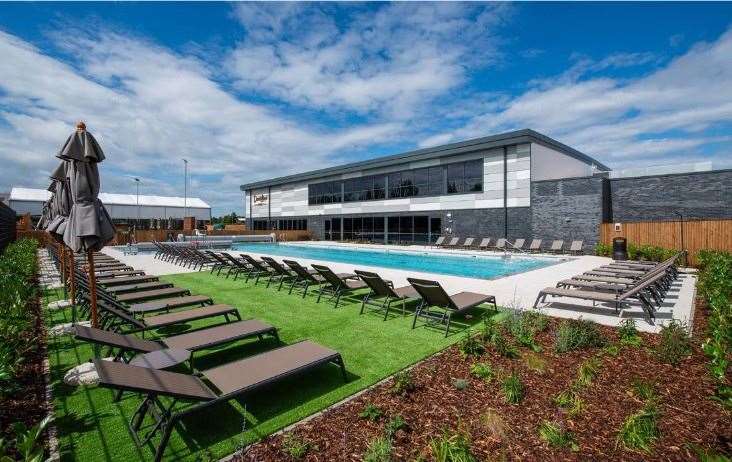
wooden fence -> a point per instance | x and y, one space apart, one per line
698 234
148 235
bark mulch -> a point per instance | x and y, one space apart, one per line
27 402
498 430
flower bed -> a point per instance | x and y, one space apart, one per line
22 352
529 389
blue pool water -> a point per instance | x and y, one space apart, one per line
483 267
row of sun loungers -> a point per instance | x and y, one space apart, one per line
129 306
620 284
487 243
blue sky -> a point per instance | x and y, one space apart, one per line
248 91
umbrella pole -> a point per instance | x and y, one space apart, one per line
62 255
73 288
92 287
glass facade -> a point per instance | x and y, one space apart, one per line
456 178
418 229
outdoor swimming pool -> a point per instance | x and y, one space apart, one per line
482 267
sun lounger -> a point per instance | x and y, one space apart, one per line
135 297
114 317
556 246
433 295
166 304
281 275
382 294
500 244
439 241
237 265
618 299
121 289
453 242
116 273
484 243
468 242
229 381
335 285
535 245
518 244
121 280
306 278
576 247
127 345
258 269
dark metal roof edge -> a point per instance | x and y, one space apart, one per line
502 139
665 175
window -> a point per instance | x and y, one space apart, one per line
261 224
292 225
364 188
324 193
465 177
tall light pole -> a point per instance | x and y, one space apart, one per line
137 183
185 188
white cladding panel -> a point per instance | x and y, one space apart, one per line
292 199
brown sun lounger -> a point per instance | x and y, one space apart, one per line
576 247
638 292
281 275
153 294
117 281
258 269
468 242
127 345
500 244
485 243
433 295
535 245
556 246
382 293
439 241
453 242
121 289
227 382
518 244
166 304
115 273
336 285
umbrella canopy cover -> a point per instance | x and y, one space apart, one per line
89 226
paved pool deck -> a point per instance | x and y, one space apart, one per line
518 291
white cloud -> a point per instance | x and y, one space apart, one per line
388 60
669 111
150 107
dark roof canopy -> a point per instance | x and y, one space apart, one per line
488 142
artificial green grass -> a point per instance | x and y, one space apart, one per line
93 427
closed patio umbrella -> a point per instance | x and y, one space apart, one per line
89 226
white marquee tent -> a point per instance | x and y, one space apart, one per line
119 206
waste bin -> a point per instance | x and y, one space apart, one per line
620 248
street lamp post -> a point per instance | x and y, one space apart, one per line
185 188
137 184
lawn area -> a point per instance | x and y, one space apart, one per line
93 427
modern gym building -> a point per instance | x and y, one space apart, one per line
480 187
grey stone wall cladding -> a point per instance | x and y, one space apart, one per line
696 195
568 209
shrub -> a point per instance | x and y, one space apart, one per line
715 285
629 334
490 328
28 443
503 347
576 334
640 430
643 390
371 412
452 447
483 371
394 424
570 401
603 250
17 266
675 343
295 447
471 346
403 383
513 388
524 325
556 436
460 384
378 450
535 362
588 370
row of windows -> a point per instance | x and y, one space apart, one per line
420 229
456 178
283 225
